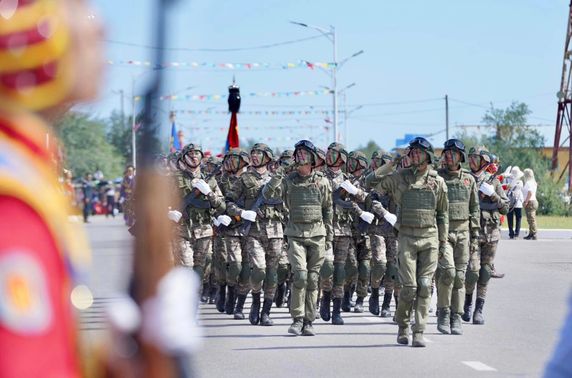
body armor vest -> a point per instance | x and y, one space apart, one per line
305 202
418 204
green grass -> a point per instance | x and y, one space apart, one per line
546 221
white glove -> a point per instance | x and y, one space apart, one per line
349 187
367 217
390 218
249 215
487 189
123 314
224 220
169 318
506 172
174 215
202 186
216 222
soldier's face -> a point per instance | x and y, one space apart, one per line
417 156
232 163
332 157
257 158
474 162
303 157
193 158
452 159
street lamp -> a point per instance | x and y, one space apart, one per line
331 36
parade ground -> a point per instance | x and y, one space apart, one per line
524 312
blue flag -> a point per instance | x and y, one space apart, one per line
174 143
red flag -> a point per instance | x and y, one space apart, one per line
232 137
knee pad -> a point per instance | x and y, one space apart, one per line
363 269
351 269
271 278
459 280
339 274
424 287
408 293
472 277
391 271
485 274
378 269
282 273
257 274
312 281
234 269
446 276
327 269
300 277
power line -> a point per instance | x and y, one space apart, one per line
259 47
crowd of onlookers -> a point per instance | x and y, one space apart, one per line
521 190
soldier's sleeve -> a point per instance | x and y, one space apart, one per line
474 209
274 188
327 209
234 195
216 198
388 182
500 198
442 212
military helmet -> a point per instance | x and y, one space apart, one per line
455 145
321 157
383 155
425 145
341 151
356 160
287 154
483 152
214 160
192 147
264 148
243 155
308 146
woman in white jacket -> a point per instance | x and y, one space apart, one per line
516 199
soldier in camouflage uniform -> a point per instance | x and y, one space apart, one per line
463 230
493 202
263 241
307 195
320 160
332 273
201 201
226 227
383 242
421 195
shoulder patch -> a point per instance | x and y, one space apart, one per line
25 306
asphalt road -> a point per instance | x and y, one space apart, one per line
524 312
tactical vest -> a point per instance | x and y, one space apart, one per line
202 213
305 202
342 215
459 194
418 203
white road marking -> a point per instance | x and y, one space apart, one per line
478 366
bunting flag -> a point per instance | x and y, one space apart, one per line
218 97
232 140
223 66
175 141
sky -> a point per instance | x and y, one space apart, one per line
415 52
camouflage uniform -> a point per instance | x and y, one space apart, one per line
422 222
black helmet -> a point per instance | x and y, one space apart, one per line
308 146
425 145
456 145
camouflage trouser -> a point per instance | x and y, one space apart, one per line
417 260
378 259
237 272
481 263
263 255
219 259
391 278
283 266
194 253
358 266
306 256
451 270
531 216
182 252
332 273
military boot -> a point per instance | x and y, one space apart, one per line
325 306
359 305
254 315
296 327
230 300
336 314
456 328
238 314
346 306
418 340
467 307
308 329
403 335
385 312
478 314
374 301
221 297
265 314
444 320
280 294
212 294
205 293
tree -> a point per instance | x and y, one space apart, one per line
119 134
369 148
86 147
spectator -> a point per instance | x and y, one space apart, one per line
516 199
126 194
110 200
88 190
530 202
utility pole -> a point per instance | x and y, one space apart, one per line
335 83
133 146
447 117
122 97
